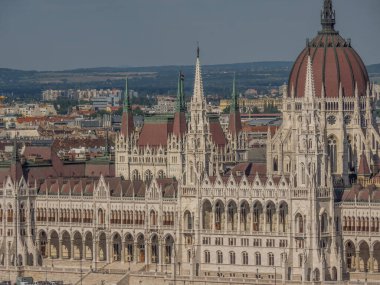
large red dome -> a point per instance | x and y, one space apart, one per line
334 62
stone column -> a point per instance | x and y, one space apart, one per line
94 253
146 249
357 262
371 261
83 257
226 219
278 219
122 251
36 252
109 250
251 224
72 250
160 255
135 252
60 249
213 218
238 219
200 220
265 219
48 249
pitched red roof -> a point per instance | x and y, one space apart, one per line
155 132
217 133
363 166
179 125
127 125
234 124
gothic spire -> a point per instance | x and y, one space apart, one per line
127 125
234 100
309 85
198 84
127 99
328 17
180 107
234 124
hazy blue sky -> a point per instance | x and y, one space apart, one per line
62 34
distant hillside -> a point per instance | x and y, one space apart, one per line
146 80
152 80
374 68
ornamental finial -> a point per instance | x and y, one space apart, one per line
328 17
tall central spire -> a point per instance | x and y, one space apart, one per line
198 84
127 101
328 17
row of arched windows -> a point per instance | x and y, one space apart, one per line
64 215
147 175
244 258
9 214
360 224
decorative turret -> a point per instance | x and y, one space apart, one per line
127 125
179 126
328 17
16 168
235 120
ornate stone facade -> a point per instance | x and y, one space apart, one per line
185 195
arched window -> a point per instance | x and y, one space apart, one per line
135 175
270 259
219 255
244 256
275 164
258 258
299 224
161 174
218 216
148 176
324 223
232 257
207 256
332 152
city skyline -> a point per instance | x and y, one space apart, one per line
149 33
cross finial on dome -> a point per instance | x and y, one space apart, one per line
328 17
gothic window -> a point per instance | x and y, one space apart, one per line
218 216
350 154
275 164
270 259
332 152
148 175
323 222
232 257
207 256
258 258
331 120
299 224
219 255
135 175
161 174
245 258
347 120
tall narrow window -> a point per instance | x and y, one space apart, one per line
332 152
